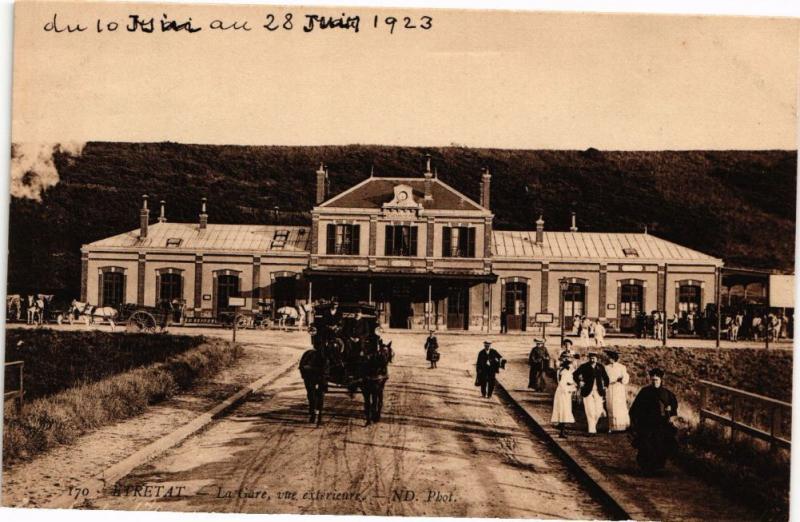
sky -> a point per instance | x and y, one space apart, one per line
476 78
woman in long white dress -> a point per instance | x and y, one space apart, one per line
617 394
562 400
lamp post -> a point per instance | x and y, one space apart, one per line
562 285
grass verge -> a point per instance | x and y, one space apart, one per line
759 478
62 417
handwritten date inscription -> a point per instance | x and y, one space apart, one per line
309 23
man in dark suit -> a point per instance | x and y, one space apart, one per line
592 381
489 363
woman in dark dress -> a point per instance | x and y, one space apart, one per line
651 427
432 349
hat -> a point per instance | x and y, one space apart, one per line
611 353
538 341
487 343
566 341
656 372
591 354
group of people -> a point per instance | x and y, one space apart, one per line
586 329
601 389
742 325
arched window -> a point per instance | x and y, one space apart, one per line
515 302
226 285
169 284
112 287
574 301
689 298
631 302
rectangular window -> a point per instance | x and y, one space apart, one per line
458 242
630 252
343 240
401 240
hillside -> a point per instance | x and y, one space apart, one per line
739 205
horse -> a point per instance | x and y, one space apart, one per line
285 313
316 370
35 310
90 312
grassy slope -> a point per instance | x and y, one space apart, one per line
738 205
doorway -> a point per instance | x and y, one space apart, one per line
457 308
515 299
400 312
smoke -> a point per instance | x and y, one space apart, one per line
32 167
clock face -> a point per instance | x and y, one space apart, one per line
402 196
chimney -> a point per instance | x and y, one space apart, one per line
540 230
428 179
322 184
203 216
162 218
574 227
486 180
144 218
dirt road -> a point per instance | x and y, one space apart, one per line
441 449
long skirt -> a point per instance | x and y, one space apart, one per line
562 407
617 406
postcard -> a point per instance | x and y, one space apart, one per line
409 262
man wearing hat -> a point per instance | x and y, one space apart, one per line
592 381
538 360
489 363
651 413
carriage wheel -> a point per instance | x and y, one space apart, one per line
242 321
142 321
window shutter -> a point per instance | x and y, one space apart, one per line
446 234
158 287
389 240
331 240
356 242
463 241
471 242
413 242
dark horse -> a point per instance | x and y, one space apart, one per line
369 375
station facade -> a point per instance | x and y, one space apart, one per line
425 254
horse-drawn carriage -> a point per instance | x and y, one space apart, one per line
348 352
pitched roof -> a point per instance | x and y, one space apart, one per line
372 193
593 246
188 236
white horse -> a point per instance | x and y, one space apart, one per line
90 312
285 313
35 309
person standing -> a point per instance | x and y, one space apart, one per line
503 320
599 334
432 349
617 394
562 400
538 360
653 432
592 381
488 364
584 331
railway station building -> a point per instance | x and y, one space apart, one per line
425 254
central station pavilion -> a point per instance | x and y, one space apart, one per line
425 254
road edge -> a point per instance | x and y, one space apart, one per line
100 482
620 507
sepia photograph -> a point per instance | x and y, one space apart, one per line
379 261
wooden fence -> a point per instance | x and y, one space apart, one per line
774 408
19 393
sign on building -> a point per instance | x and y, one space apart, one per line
781 291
